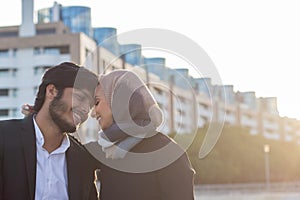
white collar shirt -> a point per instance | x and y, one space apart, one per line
51 170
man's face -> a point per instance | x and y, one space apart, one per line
71 109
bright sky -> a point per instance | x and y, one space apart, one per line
255 45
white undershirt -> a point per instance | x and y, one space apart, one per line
51 170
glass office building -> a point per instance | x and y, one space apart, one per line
107 38
77 18
132 53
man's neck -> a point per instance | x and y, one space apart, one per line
53 137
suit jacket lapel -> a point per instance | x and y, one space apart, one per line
29 146
74 173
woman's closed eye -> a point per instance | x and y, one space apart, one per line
97 101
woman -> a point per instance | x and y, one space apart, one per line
138 162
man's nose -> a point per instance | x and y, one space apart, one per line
85 108
93 113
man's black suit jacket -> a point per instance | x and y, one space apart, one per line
18 164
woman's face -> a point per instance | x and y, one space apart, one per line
102 111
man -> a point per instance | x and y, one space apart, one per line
38 159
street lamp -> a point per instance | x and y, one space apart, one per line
267 165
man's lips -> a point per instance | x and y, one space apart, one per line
77 118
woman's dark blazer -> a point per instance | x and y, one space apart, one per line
174 181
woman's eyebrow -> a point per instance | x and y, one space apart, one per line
97 96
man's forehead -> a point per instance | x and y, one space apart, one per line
81 90
84 93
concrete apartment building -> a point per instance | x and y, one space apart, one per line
24 59
26 51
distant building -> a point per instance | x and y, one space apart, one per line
77 18
106 37
188 103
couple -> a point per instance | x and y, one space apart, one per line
40 160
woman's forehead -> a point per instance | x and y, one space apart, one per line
99 90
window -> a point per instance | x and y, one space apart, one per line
4 72
181 125
45 31
14 92
37 51
204 106
9 34
87 52
182 99
158 91
8 92
181 112
103 65
4 92
15 112
4 53
64 50
4 112
51 51
14 52
40 69
56 50
14 72
160 105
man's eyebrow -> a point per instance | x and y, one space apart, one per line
86 94
81 95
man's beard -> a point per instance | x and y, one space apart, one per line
55 109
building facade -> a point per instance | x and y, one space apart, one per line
187 103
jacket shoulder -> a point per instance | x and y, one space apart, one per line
80 148
154 143
74 139
10 125
9 122
75 142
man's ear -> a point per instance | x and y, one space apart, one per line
51 91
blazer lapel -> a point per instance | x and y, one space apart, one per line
29 146
74 173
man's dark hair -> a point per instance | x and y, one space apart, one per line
65 75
